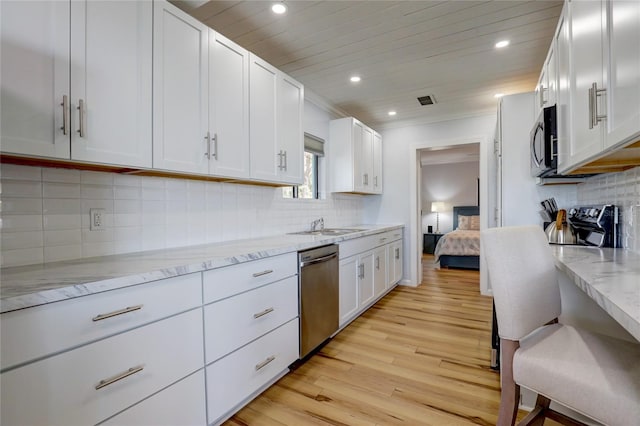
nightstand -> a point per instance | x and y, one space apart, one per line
429 242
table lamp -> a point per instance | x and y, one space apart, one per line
437 207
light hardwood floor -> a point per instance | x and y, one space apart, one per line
420 356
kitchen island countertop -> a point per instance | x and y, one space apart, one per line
611 277
32 285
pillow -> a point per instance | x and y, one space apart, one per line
469 223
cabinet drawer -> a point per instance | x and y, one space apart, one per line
224 282
61 390
234 378
358 245
32 333
182 403
251 315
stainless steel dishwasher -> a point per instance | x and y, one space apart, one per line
319 296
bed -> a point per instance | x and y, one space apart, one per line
460 248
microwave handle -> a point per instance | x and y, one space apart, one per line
534 155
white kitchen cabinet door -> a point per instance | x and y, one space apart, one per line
349 273
263 142
563 105
228 107
377 164
379 271
111 67
358 152
366 272
622 54
551 97
395 262
180 91
366 159
289 130
34 76
586 69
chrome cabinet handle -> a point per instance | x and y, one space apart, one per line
598 92
382 240
361 272
65 115
81 118
280 167
375 181
208 139
215 146
131 371
264 363
398 250
116 313
263 313
259 274
365 179
378 263
284 153
553 152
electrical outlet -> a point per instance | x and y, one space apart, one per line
96 219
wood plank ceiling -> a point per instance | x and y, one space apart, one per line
401 49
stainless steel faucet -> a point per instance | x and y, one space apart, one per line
317 224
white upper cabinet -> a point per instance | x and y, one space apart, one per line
356 157
622 74
63 61
180 90
276 103
35 78
228 107
263 89
602 110
111 82
563 104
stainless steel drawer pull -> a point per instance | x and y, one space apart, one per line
117 377
397 253
259 274
116 313
264 363
263 313
382 240
81 118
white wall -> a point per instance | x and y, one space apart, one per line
399 147
454 184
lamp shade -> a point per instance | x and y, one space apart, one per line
437 206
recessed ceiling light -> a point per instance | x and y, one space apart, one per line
355 79
502 43
498 95
392 113
278 8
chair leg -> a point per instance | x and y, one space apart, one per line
538 414
510 394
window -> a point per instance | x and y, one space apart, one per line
313 150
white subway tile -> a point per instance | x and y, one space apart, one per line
153 237
107 205
62 238
153 193
127 180
180 184
62 221
60 253
60 190
127 220
174 194
97 249
21 189
61 206
21 205
97 192
12 171
21 240
152 182
21 223
127 193
22 257
96 178
128 206
60 175
101 236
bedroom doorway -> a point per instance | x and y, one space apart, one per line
438 157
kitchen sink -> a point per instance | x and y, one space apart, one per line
329 231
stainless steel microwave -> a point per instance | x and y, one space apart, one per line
544 144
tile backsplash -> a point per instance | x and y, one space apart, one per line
623 190
45 213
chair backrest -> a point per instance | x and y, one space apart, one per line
523 278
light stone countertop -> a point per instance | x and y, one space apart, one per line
611 277
33 285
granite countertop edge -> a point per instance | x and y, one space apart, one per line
33 285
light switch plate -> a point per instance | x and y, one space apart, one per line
96 219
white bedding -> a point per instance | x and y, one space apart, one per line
458 243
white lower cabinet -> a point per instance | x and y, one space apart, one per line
235 379
96 381
369 267
182 403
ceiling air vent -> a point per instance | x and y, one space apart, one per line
427 100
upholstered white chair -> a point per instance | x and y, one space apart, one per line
592 374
